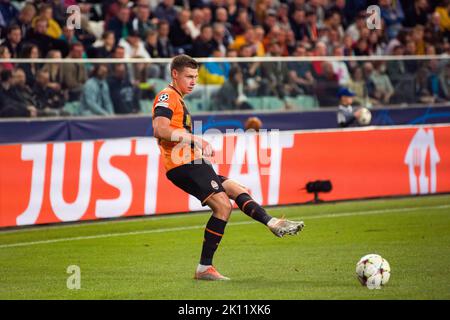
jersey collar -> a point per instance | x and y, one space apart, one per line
176 90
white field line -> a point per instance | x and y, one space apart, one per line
133 219
110 235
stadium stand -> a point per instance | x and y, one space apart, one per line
297 29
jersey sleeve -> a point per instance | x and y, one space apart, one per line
164 105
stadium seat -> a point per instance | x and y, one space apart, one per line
272 103
302 102
146 106
73 108
256 103
195 105
159 84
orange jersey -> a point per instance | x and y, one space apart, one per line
169 103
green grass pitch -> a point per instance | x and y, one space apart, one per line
155 258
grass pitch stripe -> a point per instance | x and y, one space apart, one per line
324 216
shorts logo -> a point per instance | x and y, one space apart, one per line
215 185
163 97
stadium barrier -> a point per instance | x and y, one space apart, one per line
44 183
66 129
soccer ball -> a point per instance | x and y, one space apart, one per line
253 123
373 271
365 116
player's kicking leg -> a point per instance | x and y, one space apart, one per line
279 227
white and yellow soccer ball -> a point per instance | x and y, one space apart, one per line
364 116
373 271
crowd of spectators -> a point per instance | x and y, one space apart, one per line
219 28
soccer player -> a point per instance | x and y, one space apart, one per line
186 168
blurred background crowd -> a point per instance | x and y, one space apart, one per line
220 28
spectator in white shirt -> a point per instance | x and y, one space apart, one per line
133 46
340 68
195 23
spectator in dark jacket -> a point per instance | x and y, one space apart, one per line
231 95
9 105
151 44
166 11
44 42
124 96
120 24
14 40
8 12
21 92
275 76
180 34
165 47
416 13
29 51
220 41
24 19
106 50
49 101
298 24
204 44
247 6
142 22
326 86
111 8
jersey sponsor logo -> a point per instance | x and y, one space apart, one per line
215 185
163 97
